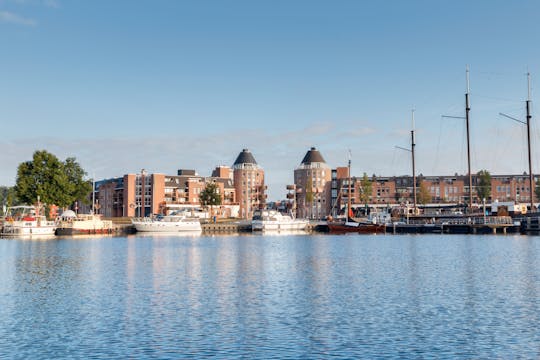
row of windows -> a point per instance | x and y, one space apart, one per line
507 189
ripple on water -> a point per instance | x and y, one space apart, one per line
271 297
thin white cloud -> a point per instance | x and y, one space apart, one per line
279 153
400 133
47 3
358 132
11 18
319 128
51 4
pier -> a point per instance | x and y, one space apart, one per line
226 227
457 225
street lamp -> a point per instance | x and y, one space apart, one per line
484 205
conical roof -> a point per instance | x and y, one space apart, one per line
313 156
245 157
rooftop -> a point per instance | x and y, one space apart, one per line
245 157
313 156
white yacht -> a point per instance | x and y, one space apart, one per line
174 222
268 220
25 221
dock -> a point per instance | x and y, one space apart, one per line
121 225
226 227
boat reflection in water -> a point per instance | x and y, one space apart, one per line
30 237
284 232
163 234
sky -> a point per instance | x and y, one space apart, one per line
169 84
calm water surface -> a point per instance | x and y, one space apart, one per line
271 297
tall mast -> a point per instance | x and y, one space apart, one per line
93 194
413 167
350 192
467 109
528 104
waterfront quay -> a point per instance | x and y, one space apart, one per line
451 225
463 225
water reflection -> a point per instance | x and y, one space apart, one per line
296 296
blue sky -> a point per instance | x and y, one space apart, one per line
162 85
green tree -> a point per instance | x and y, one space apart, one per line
210 195
53 181
7 197
483 187
81 188
365 189
309 195
424 196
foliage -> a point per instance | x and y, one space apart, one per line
7 196
210 195
424 196
309 191
537 189
82 188
365 188
483 187
53 181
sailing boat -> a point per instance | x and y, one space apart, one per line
351 225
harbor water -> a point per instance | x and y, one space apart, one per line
271 296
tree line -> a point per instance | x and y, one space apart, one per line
48 180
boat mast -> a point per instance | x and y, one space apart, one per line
528 124
467 109
349 196
413 167
93 195
528 104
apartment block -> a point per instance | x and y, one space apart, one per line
144 194
440 189
312 179
249 184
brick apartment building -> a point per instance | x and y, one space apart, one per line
318 190
312 179
249 184
123 196
330 190
441 189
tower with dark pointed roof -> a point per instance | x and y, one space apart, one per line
312 180
249 184
245 157
313 156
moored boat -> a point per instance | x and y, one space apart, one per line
355 227
174 222
272 220
369 225
70 223
25 221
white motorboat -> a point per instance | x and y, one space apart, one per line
174 222
25 221
272 220
70 223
